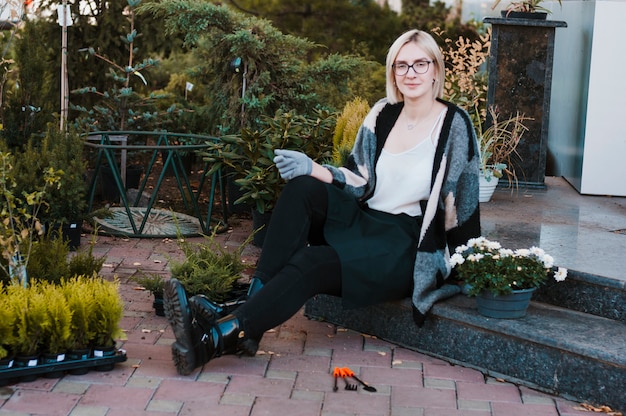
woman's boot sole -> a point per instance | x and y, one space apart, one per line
177 314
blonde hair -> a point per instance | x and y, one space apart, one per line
425 41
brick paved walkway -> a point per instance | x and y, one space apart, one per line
289 376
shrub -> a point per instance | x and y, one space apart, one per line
107 312
208 268
81 301
346 129
56 331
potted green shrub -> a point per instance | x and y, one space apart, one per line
106 316
84 263
80 298
31 317
57 331
65 206
50 260
210 269
153 282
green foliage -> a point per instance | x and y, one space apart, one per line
28 97
62 152
368 31
81 301
31 316
19 216
107 313
84 263
7 325
48 260
121 105
486 266
51 318
250 154
56 333
153 282
348 124
32 193
208 268
278 68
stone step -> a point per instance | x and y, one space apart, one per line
587 293
575 355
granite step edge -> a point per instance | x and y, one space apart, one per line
588 293
553 326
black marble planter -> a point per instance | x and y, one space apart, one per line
520 80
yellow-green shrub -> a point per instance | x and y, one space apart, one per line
346 129
31 315
56 329
80 298
7 324
107 313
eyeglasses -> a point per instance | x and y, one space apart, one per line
420 67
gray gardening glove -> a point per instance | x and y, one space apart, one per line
291 163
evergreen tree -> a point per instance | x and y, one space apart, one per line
232 47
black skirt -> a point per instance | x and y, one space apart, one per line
377 250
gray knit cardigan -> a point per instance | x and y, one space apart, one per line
451 213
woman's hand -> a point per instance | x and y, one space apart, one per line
291 163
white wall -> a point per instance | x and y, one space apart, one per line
587 137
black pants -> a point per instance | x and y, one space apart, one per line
295 263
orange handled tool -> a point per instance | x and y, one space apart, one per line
341 372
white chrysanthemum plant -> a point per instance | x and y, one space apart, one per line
486 266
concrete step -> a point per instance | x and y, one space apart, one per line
576 355
587 293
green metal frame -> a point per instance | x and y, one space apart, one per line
106 148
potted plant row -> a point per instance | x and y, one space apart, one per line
47 328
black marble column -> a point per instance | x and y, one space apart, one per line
520 79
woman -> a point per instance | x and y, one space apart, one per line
376 230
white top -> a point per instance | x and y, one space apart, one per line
403 179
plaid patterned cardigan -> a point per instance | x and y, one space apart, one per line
451 213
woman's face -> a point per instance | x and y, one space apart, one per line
414 72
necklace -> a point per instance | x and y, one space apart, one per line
410 125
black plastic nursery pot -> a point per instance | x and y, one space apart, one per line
16 371
110 191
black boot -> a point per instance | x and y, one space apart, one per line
219 337
178 315
223 309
